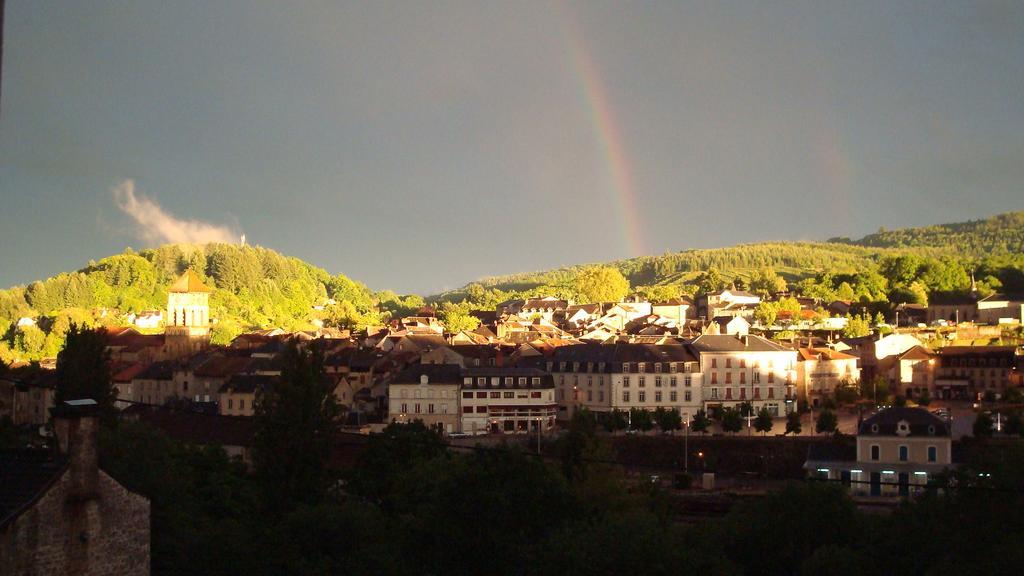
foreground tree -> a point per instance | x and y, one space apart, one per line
640 419
763 423
668 420
700 422
83 369
983 426
827 422
731 420
297 422
793 425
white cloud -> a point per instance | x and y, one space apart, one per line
155 226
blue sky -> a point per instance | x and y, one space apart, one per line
416 146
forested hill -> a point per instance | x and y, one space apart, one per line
1003 233
940 258
253 288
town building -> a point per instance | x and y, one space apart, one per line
972 371
428 393
507 400
738 369
898 451
188 316
819 371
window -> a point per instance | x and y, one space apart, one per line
642 383
714 377
673 367
657 381
241 403
933 454
657 368
641 367
875 452
673 382
534 394
522 382
430 408
728 377
756 378
508 380
625 367
444 408
481 381
714 362
687 396
467 409
714 393
481 394
625 395
743 393
513 394
641 396
495 394
481 409
535 381
771 392
467 394
625 381
590 381
688 381
673 396
757 392
728 362
743 377
728 393
590 395
600 395
231 404
743 363
657 396
904 453
417 407
771 377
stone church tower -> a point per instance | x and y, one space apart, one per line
188 316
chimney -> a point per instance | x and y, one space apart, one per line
76 426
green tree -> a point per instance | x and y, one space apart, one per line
766 313
700 422
83 369
640 419
763 423
827 422
616 420
601 284
1014 425
456 317
297 421
668 420
766 282
30 341
983 424
793 424
731 420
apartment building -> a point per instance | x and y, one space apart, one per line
738 369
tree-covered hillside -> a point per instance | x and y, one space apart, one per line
253 288
1003 233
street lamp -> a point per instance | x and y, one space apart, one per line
686 444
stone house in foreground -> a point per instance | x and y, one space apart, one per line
61 514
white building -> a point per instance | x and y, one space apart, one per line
749 368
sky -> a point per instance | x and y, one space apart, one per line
417 146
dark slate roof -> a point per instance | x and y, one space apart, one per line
25 475
157 371
832 452
613 355
435 373
921 422
195 427
248 383
730 343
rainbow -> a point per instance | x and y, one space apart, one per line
622 190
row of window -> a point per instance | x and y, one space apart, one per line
742 393
469 395
755 378
481 382
641 396
417 408
904 453
673 381
627 367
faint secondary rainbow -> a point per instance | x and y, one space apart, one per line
622 189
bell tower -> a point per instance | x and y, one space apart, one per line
188 316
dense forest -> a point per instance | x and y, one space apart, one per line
253 288
259 288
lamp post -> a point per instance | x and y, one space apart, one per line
686 445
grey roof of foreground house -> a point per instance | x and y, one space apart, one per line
920 421
25 475
729 343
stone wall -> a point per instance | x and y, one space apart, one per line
107 534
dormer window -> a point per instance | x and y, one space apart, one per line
903 428
874 428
